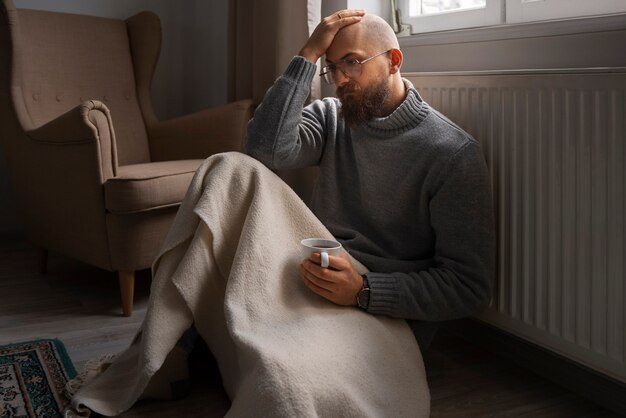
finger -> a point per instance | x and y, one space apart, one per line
320 273
318 282
343 21
340 262
334 262
318 290
317 259
343 18
346 13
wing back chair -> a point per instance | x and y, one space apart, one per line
96 176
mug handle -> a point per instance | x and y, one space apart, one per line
325 260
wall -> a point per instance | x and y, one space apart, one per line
191 73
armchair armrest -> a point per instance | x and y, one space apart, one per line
201 134
88 122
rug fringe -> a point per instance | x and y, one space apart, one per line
78 412
92 369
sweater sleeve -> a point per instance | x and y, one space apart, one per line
283 133
459 283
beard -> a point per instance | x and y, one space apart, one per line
360 105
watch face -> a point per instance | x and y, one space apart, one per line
363 299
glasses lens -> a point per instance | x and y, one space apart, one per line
351 68
328 73
329 76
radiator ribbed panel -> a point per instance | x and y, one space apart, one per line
555 145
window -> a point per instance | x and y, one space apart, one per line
520 11
438 15
426 7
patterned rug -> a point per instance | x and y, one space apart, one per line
32 379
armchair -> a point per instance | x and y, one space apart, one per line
97 176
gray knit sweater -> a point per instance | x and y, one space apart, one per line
408 195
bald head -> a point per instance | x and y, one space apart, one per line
372 34
378 32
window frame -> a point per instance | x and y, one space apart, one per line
507 12
519 11
491 14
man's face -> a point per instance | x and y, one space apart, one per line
362 97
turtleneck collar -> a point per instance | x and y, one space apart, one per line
411 112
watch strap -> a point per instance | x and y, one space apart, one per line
363 297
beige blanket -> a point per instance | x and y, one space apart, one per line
229 266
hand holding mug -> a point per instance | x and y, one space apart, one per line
324 247
328 271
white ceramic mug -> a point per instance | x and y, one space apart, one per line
325 247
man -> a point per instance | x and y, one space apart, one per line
404 190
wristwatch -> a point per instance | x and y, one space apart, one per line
363 297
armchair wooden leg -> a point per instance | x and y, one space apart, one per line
42 260
127 290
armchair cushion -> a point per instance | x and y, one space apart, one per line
143 187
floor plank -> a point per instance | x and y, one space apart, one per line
80 305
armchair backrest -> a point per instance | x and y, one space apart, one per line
59 60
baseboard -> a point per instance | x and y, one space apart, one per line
577 378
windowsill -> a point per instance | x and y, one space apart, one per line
517 31
520 72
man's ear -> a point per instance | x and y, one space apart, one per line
396 60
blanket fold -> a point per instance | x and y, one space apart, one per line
229 267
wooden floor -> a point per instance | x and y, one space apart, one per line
80 305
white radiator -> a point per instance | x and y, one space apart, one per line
555 145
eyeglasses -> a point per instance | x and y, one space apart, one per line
350 67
